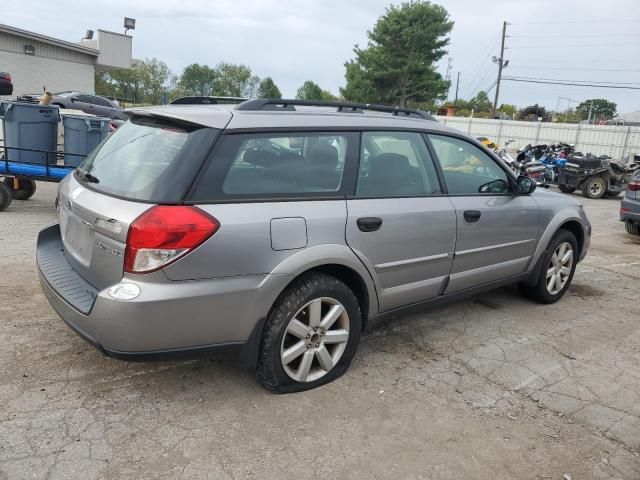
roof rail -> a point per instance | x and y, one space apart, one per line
207 100
346 107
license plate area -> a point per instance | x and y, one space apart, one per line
78 238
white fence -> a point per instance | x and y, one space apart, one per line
615 141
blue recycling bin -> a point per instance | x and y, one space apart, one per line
81 135
30 131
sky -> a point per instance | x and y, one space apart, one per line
297 40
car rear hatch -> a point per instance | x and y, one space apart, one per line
147 161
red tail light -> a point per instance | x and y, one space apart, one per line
165 233
634 186
624 210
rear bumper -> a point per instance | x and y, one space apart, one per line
168 318
633 213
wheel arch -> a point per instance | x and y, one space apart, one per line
564 219
340 262
575 227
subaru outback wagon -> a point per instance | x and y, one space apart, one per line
281 229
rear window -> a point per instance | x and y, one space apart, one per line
148 160
282 165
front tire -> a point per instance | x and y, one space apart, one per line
310 336
594 187
558 266
566 188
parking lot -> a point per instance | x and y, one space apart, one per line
491 387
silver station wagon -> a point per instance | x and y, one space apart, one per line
280 229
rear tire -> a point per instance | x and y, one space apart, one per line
632 227
5 196
613 194
566 188
26 188
290 340
558 266
594 187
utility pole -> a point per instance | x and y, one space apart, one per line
455 102
447 75
590 110
501 64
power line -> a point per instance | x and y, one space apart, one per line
574 80
577 21
575 46
576 69
570 84
479 67
577 36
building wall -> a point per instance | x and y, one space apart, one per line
15 43
30 73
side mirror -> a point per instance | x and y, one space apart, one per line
525 185
73 99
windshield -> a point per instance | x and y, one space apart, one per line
144 159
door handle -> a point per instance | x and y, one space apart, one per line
472 216
369 224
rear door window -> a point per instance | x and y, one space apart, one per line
396 164
278 165
148 160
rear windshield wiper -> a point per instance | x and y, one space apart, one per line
87 177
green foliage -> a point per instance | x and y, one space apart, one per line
144 82
601 108
508 109
198 80
480 103
225 80
398 64
312 91
236 81
268 89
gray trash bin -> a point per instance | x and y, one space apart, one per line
32 127
81 135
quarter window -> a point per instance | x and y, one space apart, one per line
275 165
467 169
395 164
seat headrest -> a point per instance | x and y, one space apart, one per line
263 158
323 155
390 164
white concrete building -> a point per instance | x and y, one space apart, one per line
37 62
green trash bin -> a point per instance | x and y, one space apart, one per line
32 128
81 135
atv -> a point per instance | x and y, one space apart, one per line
595 176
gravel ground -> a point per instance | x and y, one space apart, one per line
494 387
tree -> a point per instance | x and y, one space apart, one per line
508 109
268 89
601 108
199 80
312 91
144 82
481 102
235 81
398 64
225 80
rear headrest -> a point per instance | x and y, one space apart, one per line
323 155
390 164
263 158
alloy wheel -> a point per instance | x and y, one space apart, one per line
596 188
315 339
559 268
